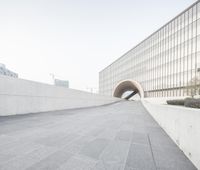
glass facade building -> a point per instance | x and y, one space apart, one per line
167 63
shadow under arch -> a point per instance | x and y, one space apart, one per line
128 85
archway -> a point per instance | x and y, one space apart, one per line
128 85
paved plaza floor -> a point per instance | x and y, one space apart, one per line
120 136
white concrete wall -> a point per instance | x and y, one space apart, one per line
181 124
19 96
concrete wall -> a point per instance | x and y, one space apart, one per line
19 96
181 124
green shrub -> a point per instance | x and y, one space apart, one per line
176 102
190 102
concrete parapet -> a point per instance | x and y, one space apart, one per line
19 96
180 123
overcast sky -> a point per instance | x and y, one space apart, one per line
75 39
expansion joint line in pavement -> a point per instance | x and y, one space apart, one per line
152 152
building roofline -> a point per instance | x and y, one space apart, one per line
151 34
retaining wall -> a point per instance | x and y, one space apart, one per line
181 124
18 96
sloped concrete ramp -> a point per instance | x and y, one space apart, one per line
114 137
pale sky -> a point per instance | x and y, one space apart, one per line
75 39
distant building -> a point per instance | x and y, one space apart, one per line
62 83
6 72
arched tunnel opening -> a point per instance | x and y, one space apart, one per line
132 87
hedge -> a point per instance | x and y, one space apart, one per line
176 102
188 102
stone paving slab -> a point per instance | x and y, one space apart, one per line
121 136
